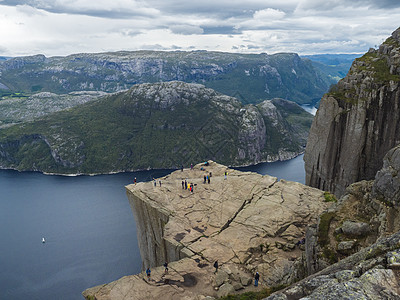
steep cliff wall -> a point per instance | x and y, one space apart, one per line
358 121
150 223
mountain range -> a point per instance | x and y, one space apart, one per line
251 78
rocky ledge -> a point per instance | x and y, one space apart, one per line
247 222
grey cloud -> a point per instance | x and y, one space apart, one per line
61 7
221 30
185 29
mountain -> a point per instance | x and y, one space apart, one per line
251 78
159 125
334 66
22 108
357 121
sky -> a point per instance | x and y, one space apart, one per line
63 27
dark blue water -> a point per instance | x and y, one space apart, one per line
88 225
292 169
89 229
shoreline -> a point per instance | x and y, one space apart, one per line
141 170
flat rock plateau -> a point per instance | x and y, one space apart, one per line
247 222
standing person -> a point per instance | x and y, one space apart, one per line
134 180
256 279
183 185
191 166
216 266
148 272
205 179
166 267
208 179
226 174
186 185
181 168
159 182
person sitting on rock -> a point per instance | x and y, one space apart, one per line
301 242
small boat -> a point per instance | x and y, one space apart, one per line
43 240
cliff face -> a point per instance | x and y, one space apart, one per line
247 222
358 121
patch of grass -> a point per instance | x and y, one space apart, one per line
330 255
329 197
323 229
255 295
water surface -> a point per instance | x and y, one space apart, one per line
89 228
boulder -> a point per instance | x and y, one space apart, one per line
346 246
221 277
355 229
225 290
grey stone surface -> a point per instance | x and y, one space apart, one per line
355 228
225 290
387 180
356 124
221 277
346 245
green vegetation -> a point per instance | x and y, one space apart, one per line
9 95
263 293
329 197
323 229
124 132
379 68
330 255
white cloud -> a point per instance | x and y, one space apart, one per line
61 27
268 14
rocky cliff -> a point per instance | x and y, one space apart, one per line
357 121
160 125
354 251
251 78
247 222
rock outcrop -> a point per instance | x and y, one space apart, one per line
246 222
357 121
355 248
372 273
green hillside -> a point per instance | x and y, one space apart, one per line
159 125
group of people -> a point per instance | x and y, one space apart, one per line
187 185
155 182
207 178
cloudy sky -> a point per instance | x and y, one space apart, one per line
62 27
